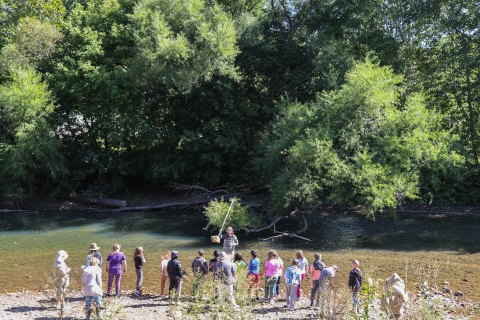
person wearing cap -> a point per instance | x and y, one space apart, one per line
355 282
227 273
61 278
230 242
94 253
200 271
175 275
325 285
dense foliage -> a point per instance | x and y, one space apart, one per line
351 103
239 216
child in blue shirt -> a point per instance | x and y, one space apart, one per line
253 271
292 281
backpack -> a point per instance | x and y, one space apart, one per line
292 275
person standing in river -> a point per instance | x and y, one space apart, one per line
61 278
115 261
230 242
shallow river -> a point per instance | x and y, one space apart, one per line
30 241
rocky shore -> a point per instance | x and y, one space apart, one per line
41 305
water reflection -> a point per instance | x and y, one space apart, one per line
29 242
327 231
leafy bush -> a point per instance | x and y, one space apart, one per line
240 216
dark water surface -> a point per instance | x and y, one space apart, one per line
29 241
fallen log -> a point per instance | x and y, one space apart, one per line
161 206
8 211
196 201
101 201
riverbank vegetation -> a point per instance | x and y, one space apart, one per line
366 103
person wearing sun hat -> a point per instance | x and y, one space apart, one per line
94 253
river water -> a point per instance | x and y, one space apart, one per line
30 241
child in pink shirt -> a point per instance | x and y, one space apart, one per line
272 271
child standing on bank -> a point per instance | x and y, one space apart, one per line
238 260
139 260
303 268
253 271
163 268
355 282
292 281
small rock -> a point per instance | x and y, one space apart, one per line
446 283
458 293
465 279
446 289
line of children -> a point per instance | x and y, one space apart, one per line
171 268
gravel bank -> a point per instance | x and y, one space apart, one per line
41 305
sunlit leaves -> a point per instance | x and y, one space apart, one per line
183 43
359 145
28 146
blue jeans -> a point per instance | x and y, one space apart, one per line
277 287
355 299
97 300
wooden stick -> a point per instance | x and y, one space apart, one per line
219 234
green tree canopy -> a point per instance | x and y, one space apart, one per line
364 144
29 152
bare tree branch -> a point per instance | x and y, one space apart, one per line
285 234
